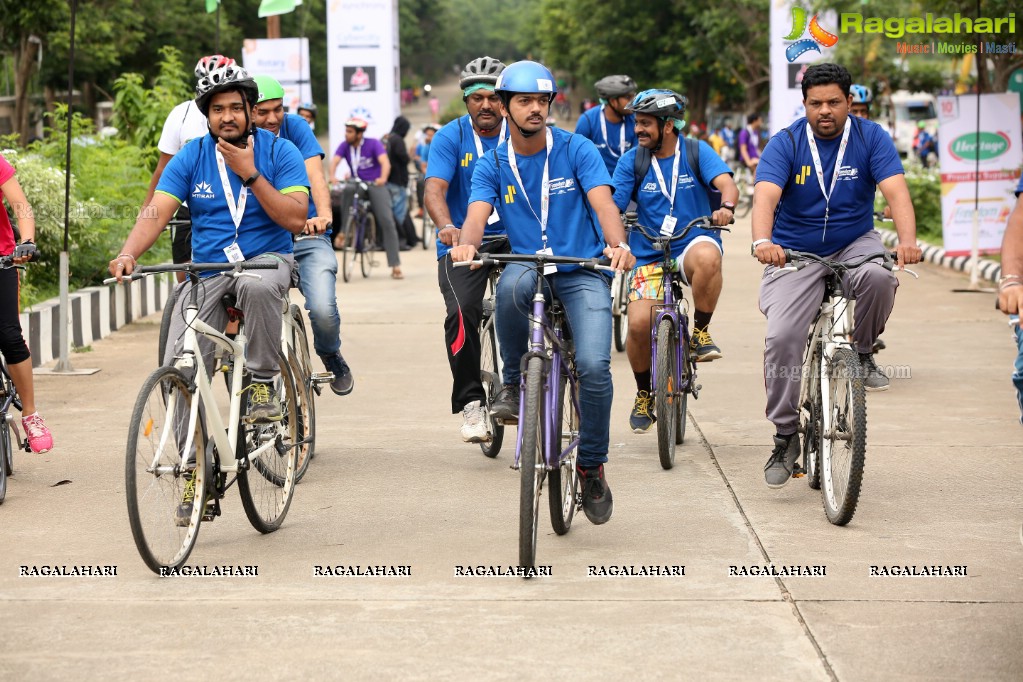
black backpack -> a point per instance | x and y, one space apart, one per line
642 165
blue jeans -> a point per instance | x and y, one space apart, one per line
317 280
586 297
399 203
1017 375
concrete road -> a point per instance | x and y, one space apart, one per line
393 485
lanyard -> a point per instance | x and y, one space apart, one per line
545 186
479 143
237 209
621 134
670 196
356 159
820 170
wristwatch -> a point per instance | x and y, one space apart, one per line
251 179
729 205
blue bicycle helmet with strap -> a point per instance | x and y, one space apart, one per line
529 78
861 94
660 103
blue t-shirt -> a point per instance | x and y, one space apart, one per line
870 158
690 197
423 151
453 159
295 129
575 168
588 126
192 174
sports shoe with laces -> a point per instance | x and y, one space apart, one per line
641 418
780 466
343 382
39 437
263 404
873 378
703 347
475 425
506 405
184 512
597 501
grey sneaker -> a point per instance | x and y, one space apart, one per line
184 512
598 503
641 419
343 382
506 405
779 467
475 425
873 378
263 404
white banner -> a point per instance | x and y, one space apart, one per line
287 60
1000 158
798 39
362 64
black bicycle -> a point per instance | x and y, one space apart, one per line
8 398
359 233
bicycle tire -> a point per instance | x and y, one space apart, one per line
301 367
744 206
563 480
5 449
427 230
811 416
532 467
267 485
369 245
619 312
165 323
160 413
348 249
688 378
666 392
843 437
490 375
6 437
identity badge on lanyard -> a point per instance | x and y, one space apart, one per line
668 224
494 217
621 134
545 197
356 159
827 192
233 252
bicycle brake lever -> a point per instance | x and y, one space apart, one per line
906 270
787 268
246 274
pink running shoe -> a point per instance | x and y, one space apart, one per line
39 437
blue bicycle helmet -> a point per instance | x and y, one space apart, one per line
861 94
526 77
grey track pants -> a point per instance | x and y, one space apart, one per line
259 299
791 300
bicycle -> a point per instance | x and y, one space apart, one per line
178 443
672 366
620 309
832 397
490 370
548 434
744 179
359 232
8 398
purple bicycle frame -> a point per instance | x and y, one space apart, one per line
680 321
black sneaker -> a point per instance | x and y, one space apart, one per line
264 407
782 463
343 382
641 419
873 378
506 405
597 501
184 512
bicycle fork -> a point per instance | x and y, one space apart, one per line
537 349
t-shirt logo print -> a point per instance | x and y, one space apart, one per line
202 190
466 160
509 197
802 175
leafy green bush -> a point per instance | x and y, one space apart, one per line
925 191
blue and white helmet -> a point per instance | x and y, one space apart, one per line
526 77
861 94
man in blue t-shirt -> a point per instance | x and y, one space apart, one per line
454 152
669 196
610 126
815 192
248 192
317 264
554 197
1010 285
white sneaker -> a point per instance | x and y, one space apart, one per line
475 424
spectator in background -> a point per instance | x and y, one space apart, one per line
397 181
420 158
749 141
307 110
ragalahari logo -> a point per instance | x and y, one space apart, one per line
818 36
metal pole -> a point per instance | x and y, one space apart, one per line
975 236
64 363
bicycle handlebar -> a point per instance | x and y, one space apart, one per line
631 218
799 260
194 268
538 259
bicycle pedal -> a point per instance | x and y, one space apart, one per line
321 378
798 472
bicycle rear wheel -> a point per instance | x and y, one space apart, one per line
843 437
619 310
688 378
667 394
532 466
301 367
165 483
810 416
490 375
5 451
564 479
367 259
267 485
427 230
348 249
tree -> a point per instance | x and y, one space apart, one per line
25 31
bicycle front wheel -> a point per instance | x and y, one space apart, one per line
427 230
619 311
811 418
564 479
843 437
5 450
667 393
166 471
367 259
302 368
267 485
490 375
348 249
532 466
